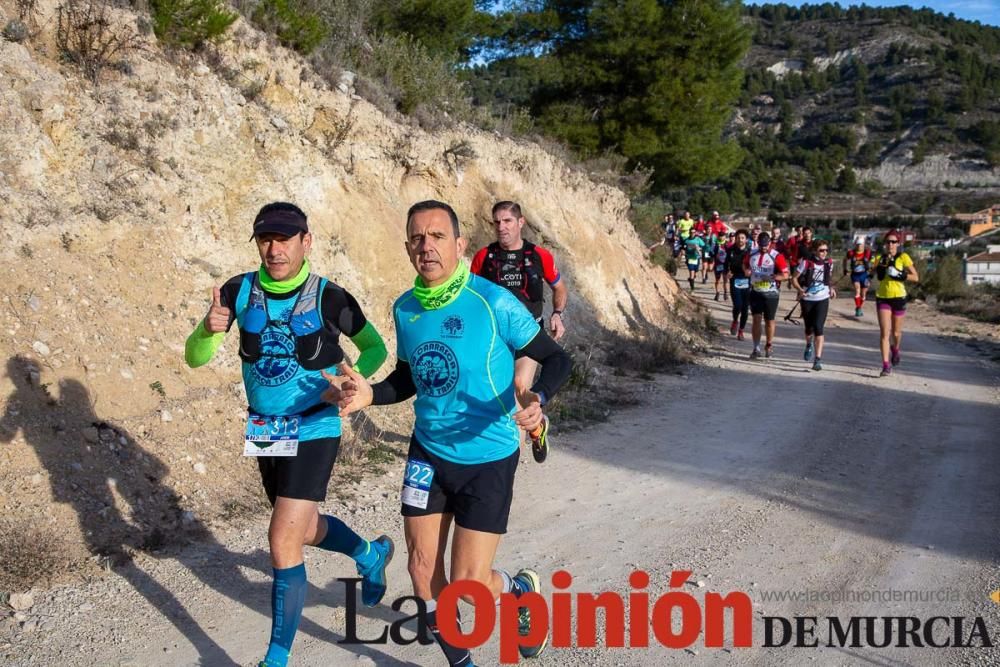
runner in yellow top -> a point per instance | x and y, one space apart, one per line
684 226
893 268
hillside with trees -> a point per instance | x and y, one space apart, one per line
833 104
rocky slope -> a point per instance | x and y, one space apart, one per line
124 203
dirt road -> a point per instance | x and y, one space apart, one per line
761 477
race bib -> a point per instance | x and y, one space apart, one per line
741 283
815 288
271 436
860 268
893 272
762 285
417 483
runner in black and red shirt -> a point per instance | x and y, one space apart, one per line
523 267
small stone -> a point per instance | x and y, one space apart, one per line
34 303
279 123
41 348
91 434
21 601
187 516
36 479
127 374
200 468
165 416
700 584
28 626
201 70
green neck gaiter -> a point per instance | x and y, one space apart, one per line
432 298
283 286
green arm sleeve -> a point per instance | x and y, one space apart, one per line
201 346
372 348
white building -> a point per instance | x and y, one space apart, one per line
984 267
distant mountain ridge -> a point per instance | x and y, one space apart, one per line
868 99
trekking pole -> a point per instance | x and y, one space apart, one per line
789 318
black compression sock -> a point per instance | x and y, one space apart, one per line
457 657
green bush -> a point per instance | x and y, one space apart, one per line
295 25
189 23
421 83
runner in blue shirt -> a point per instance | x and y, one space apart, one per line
457 338
290 321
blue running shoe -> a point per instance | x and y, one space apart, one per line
527 580
373 581
808 354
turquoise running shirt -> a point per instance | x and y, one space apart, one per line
461 357
276 385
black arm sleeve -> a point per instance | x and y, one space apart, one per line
341 310
395 388
556 363
228 294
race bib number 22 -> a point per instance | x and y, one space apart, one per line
417 483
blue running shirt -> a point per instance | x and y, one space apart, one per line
461 358
276 385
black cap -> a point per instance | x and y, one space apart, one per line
285 220
763 239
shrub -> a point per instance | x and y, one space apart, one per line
421 79
294 24
86 35
15 31
189 23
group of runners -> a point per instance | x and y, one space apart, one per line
750 266
468 346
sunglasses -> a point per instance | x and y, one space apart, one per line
892 240
823 250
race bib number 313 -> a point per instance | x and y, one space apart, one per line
417 483
271 436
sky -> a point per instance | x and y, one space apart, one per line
984 11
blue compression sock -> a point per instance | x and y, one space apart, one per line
340 538
288 596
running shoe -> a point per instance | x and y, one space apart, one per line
886 370
540 441
716 296
528 581
767 350
895 356
732 328
858 312
739 336
725 297
373 582
817 366
808 354
755 354
704 279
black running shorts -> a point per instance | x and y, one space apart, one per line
764 303
304 476
478 494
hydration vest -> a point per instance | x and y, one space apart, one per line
807 277
305 322
531 288
863 260
883 266
762 269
